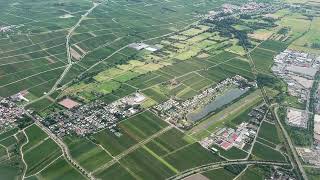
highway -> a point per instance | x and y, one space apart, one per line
211 166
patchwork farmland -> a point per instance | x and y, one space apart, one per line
137 89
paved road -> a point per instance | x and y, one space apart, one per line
69 55
291 146
211 166
64 148
296 164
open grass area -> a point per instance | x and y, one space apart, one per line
310 39
232 153
261 151
269 132
313 173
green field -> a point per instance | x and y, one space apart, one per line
218 174
261 151
116 171
232 153
35 135
167 142
252 173
58 170
146 166
269 132
40 155
196 154
142 125
86 153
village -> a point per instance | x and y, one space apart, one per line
88 118
176 111
10 112
232 10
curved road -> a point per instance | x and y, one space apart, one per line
211 166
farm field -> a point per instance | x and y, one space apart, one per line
261 151
101 84
34 62
269 132
220 173
39 151
59 169
86 153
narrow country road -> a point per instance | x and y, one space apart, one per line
69 55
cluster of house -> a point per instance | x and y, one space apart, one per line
10 28
298 70
248 7
88 118
228 10
141 46
175 111
244 134
278 173
10 112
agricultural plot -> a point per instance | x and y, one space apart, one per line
35 135
60 169
113 144
252 173
146 166
232 153
117 172
86 153
40 155
167 142
196 154
263 59
39 151
218 174
269 132
142 125
261 151
95 42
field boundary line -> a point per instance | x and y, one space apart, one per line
131 149
45 167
